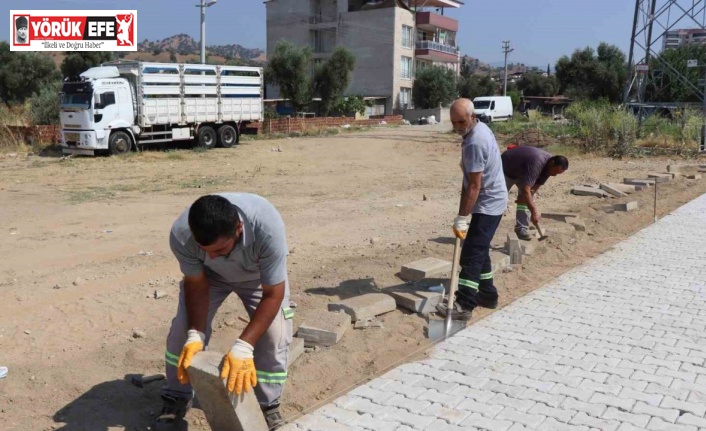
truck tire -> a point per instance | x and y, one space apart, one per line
227 136
206 137
119 143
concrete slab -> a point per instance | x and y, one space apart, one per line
613 191
629 206
512 248
224 411
436 326
326 331
366 306
625 188
589 191
499 261
639 182
424 268
558 216
418 299
659 178
674 168
608 209
693 177
296 348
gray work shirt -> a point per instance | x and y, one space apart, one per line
526 165
480 153
260 254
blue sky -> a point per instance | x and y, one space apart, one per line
539 30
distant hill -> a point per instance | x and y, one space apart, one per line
185 45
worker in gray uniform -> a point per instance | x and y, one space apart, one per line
230 243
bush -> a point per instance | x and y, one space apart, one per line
44 107
603 127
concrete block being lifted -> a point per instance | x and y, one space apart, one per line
326 330
416 298
613 191
589 191
425 268
224 411
629 206
365 307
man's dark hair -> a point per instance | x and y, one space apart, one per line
560 161
212 217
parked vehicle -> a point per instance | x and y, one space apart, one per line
120 105
493 108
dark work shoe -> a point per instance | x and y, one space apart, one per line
487 301
273 417
172 415
458 312
523 234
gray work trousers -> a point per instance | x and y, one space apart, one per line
271 351
522 216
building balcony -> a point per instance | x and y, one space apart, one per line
428 50
432 21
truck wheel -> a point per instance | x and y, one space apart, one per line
227 136
207 137
119 143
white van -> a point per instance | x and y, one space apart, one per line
493 108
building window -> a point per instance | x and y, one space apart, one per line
407 38
405 97
406 67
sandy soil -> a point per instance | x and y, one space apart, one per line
84 247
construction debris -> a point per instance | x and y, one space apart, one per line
365 307
369 323
425 268
417 299
639 182
630 206
660 178
612 190
625 188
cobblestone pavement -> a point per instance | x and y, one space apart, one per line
616 344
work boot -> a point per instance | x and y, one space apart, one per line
273 417
486 300
172 415
458 312
523 234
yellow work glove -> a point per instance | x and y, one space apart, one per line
460 226
193 345
239 368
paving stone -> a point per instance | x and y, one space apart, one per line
526 419
690 419
660 178
637 420
326 330
478 421
296 348
499 261
674 168
582 418
224 412
365 307
588 191
551 424
425 268
698 409
417 299
670 415
639 182
558 216
628 206
624 188
614 191
693 177
657 424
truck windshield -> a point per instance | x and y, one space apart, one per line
76 95
481 104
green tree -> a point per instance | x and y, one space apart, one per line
333 77
434 86
586 75
665 86
44 107
473 86
288 67
534 84
24 74
515 97
76 63
172 56
352 104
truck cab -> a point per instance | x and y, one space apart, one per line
94 106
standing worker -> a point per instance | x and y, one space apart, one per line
529 168
483 203
230 243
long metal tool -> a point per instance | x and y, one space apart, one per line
452 287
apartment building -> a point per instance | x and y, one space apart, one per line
389 38
677 38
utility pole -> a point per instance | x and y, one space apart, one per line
506 51
203 7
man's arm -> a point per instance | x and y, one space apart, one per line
469 195
264 314
196 300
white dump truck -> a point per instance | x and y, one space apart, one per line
121 105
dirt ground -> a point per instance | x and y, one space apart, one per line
84 247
